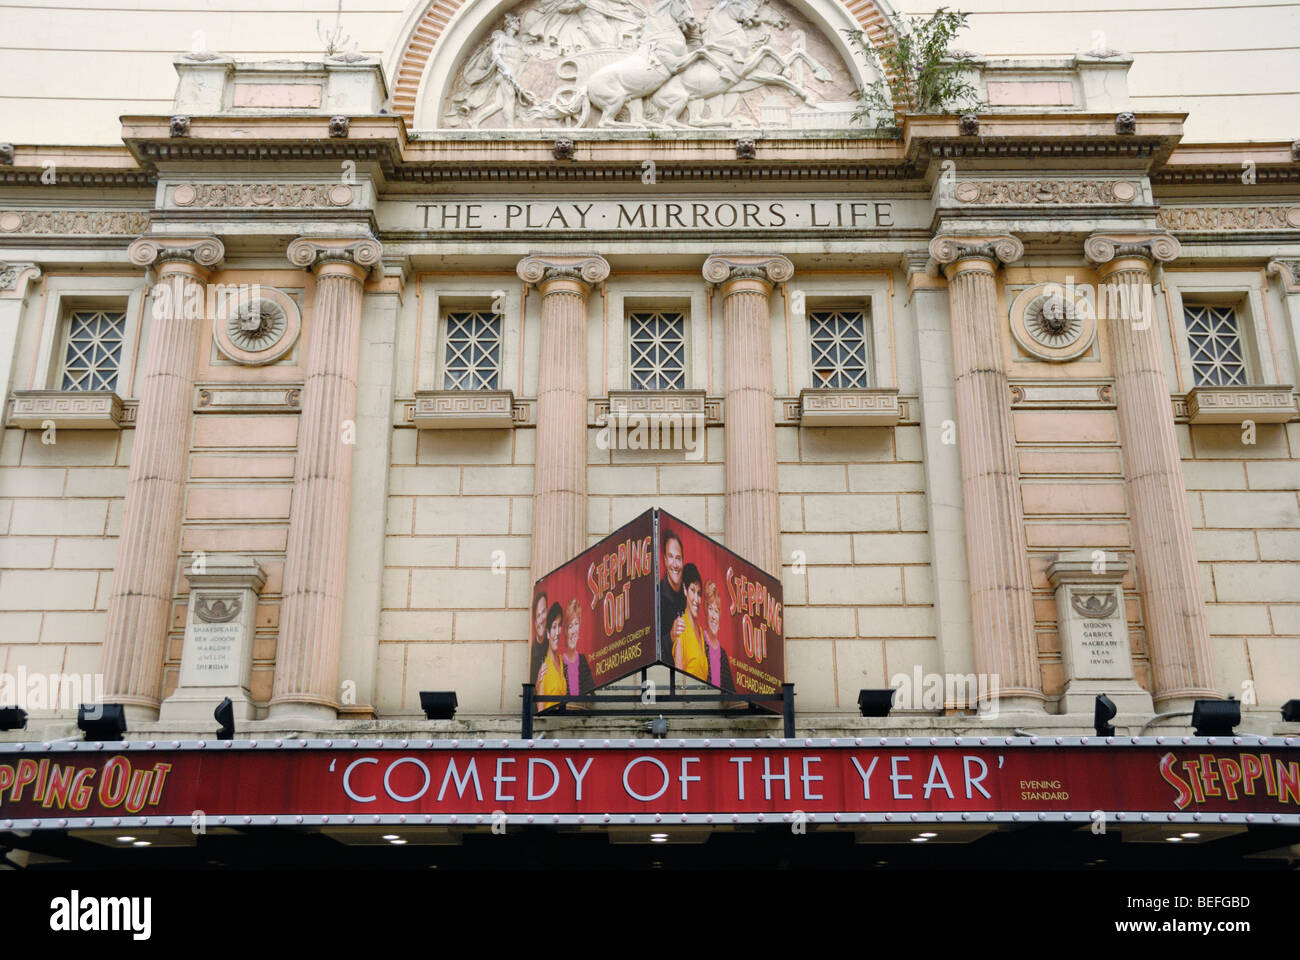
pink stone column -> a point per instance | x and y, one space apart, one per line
996 551
144 579
311 619
1166 572
753 523
560 465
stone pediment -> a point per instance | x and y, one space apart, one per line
643 64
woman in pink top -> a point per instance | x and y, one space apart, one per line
719 667
576 670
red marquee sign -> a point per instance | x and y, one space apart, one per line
566 781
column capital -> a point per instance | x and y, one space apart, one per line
1101 249
1289 272
954 252
14 278
764 270
349 256
580 271
193 255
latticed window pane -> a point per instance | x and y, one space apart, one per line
1214 340
94 350
473 358
839 348
658 350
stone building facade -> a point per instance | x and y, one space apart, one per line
319 359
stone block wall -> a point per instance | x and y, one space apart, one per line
1244 500
60 515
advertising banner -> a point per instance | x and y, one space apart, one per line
720 617
657 591
364 782
593 618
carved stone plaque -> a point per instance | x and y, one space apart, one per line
1095 634
1093 627
217 656
212 642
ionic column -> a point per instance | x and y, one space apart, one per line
139 610
1288 272
1166 574
15 280
753 524
560 465
1002 613
311 618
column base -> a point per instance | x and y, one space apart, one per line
1081 697
136 713
199 703
300 711
1002 707
1185 704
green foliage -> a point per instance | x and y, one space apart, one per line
917 74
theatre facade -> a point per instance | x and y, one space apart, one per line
310 380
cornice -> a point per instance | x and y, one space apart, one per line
603 157
1060 136
1224 163
75 167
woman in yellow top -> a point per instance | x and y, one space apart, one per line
550 676
689 654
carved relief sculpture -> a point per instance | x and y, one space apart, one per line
651 63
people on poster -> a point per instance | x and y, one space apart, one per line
688 649
539 621
577 672
672 601
715 654
550 676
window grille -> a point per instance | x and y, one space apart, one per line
473 353
658 350
94 350
1214 340
839 348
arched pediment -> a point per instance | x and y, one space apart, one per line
632 64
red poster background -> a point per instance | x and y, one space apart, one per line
758 668
630 646
265 780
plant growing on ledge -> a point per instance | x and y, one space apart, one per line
916 71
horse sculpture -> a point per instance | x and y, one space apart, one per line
746 64
628 81
682 64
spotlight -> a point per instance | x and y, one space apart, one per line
876 703
659 726
15 718
225 715
438 704
1290 712
102 721
1103 712
1215 718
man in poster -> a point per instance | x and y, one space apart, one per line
672 599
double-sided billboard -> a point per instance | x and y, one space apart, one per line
657 591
